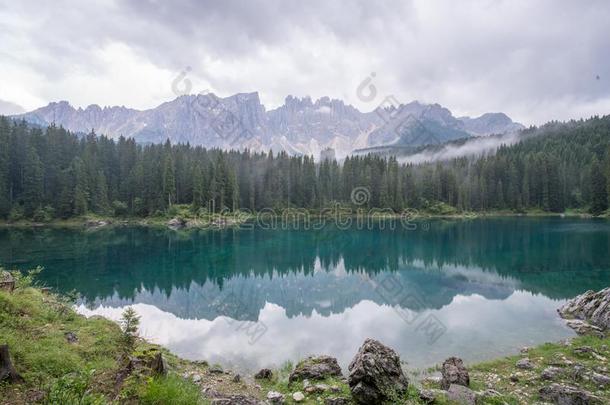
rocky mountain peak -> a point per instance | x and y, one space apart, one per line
299 126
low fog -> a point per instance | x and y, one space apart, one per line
471 147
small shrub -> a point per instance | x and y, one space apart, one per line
170 390
130 321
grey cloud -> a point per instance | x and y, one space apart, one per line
10 108
532 60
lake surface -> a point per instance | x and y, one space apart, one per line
253 297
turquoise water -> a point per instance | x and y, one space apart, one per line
252 298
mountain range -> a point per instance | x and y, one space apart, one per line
299 126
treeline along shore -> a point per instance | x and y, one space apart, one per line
50 173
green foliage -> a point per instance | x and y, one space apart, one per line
16 214
33 324
170 390
25 280
599 195
73 389
173 211
120 208
130 321
44 214
441 208
554 168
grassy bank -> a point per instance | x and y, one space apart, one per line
65 358
93 368
191 219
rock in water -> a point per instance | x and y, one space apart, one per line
375 374
176 223
316 368
567 395
454 372
592 307
93 223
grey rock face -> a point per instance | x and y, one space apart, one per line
490 123
600 378
430 396
264 374
461 395
316 368
299 126
375 374
236 400
585 328
454 372
176 223
336 401
275 397
524 364
567 395
71 337
7 281
550 373
591 307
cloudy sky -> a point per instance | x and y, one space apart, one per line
536 60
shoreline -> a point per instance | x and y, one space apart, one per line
510 382
236 220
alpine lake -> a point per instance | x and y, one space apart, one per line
250 297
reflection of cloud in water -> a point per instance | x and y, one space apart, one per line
477 329
326 291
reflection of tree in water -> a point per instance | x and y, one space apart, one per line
557 257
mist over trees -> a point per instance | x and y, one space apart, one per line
49 173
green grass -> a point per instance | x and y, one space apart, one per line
34 327
170 390
543 356
34 323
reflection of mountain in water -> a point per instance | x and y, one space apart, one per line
324 292
190 272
